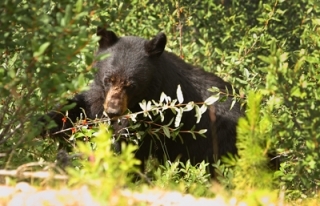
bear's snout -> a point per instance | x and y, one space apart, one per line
116 102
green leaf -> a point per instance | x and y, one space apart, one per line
79 6
68 107
233 103
166 131
265 59
102 56
214 90
316 21
193 135
41 49
202 131
68 14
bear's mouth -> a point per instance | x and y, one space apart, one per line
112 113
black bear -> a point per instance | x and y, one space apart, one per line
138 69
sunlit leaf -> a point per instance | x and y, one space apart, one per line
178 117
212 99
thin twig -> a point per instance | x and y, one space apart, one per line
39 175
180 25
21 173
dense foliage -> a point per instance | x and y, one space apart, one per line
268 49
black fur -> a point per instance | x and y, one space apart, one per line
139 69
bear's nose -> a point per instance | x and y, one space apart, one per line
113 110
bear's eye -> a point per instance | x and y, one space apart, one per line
109 81
131 87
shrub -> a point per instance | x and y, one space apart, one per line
270 47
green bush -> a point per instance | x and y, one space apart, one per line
270 47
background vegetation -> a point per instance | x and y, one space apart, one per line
269 50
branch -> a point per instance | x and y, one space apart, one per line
19 173
40 174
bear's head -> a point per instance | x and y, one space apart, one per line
127 72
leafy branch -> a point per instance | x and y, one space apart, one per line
153 109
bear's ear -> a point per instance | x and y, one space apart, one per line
156 46
107 38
